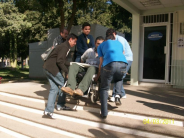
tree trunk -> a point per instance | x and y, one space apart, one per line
74 9
27 64
22 63
62 18
13 54
2 62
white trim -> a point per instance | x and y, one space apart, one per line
167 49
12 133
142 51
75 120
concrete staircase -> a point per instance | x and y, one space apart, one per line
21 115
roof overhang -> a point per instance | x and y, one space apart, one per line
128 6
144 7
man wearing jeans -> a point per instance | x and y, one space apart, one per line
53 66
128 55
112 66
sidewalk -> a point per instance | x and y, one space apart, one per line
167 103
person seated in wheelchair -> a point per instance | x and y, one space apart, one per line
90 56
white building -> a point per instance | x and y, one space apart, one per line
157 41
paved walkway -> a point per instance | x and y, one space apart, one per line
153 101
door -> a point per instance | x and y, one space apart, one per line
153 53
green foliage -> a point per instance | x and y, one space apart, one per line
95 12
11 20
121 19
27 21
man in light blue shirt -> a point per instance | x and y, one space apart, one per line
128 55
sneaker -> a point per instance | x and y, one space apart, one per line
67 90
63 108
117 101
50 115
78 92
102 116
112 99
124 97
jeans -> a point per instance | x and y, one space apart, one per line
56 82
78 59
122 89
115 71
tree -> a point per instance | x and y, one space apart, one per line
121 19
95 12
13 23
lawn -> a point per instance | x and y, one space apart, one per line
16 75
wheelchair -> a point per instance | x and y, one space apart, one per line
92 92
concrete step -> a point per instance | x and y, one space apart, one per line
6 133
125 108
147 101
116 119
15 119
30 129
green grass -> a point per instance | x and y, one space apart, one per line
17 75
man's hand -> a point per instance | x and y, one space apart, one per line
96 78
66 76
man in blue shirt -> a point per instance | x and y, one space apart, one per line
128 55
85 41
112 66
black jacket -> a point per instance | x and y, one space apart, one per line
57 61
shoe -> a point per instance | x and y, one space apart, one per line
67 90
50 115
63 108
117 101
112 99
78 92
103 117
124 97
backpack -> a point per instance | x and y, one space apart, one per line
46 54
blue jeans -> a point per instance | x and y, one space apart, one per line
78 59
122 89
115 71
56 82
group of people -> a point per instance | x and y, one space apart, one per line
110 59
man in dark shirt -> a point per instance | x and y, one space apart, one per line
85 41
53 66
61 38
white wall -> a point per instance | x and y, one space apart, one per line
177 69
35 61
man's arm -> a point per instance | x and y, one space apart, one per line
92 42
61 59
55 42
99 70
84 56
79 45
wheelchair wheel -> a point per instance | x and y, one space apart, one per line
94 96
